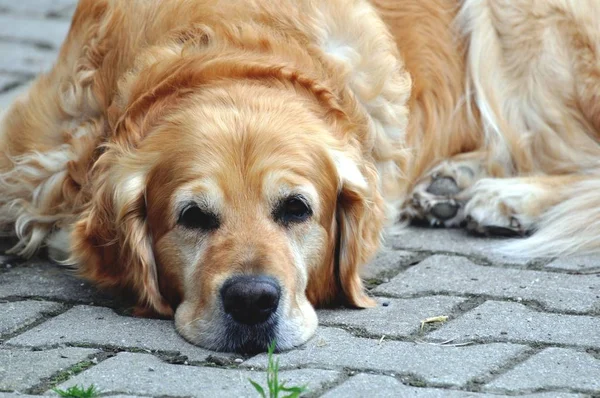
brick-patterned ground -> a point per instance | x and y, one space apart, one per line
524 328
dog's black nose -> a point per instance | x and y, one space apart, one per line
250 299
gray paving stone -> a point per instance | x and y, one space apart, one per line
48 281
457 275
145 374
44 32
36 7
401 317
505 321
553 368
25 59
19 395
100 326
447 240
388 263
577 263
23 313
22 369
369 386
8 97
335 348
7 81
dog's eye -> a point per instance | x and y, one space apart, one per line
293 210
195 218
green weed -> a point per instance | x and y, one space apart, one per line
77 392
273 385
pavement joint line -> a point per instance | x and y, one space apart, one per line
341 379
57 15
26 76
113 304
541 345
102 347
476 384
14 86
483 260
531 304
170 357
408 378
361 332
53 15
518 393
45 316
455 312
386 276
65 374
28 42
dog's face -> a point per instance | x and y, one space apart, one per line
239 210
241 205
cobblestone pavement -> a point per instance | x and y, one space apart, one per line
524 328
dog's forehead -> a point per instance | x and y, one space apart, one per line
214 192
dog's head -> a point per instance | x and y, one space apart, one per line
236 204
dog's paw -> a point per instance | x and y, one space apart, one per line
500 207
435 203
436 198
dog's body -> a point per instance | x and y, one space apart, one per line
186 150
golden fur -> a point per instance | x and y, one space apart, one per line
451 112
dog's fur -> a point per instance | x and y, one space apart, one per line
483 114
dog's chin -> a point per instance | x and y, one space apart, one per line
220 332
248 339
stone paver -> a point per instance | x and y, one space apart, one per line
41 32
387 264
8 81
577 263
457 275
8 97
37 8
47 281
455 241
146 375
19 395
553 368
368 386
398 318
25 60
23 369
23 313
335 348
507 321
100 326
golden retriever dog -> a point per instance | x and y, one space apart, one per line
233 164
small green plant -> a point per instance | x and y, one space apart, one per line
275 388
77 392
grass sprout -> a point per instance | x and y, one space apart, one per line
275 388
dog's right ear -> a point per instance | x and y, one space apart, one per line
111 245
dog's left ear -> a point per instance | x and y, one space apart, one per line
360 217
